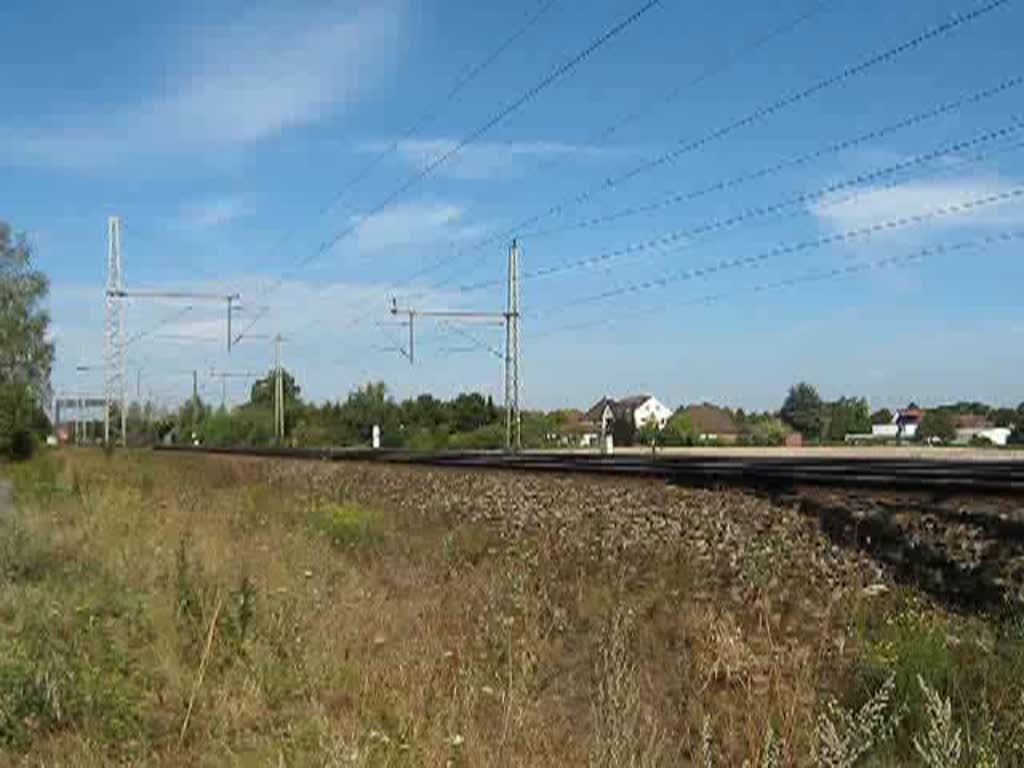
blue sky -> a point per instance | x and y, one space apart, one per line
220 134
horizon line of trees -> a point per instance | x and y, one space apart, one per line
471 420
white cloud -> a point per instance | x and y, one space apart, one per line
486 159
413 224
239 84
316 318
210 213
879 204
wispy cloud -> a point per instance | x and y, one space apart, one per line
176 341
487 159
240 84
414 224
207 214
879 204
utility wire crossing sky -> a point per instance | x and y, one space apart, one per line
712 201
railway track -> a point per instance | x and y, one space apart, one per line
935 476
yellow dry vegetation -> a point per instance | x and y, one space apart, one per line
331 630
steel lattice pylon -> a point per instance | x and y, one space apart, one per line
513 418
114 331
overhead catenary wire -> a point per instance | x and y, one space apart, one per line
991 6
684 146
443 157
847 270
478 343
687 146
712 69
460 84
773 169
867 231
174 316
757 212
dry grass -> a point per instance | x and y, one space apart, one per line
352 618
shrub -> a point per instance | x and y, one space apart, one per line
22 446
938 426
679 431
348 525
490 437
426 440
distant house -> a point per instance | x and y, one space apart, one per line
903 426
622 416
970 425
711 423
975 426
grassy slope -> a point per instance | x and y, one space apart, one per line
352 634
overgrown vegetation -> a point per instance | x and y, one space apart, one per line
296 624
26 354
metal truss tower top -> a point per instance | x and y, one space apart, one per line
114 331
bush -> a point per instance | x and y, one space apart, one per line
937 426
348 525
490 437
763 432
22 446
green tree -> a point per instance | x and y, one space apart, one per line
1004 417
881 416
679 430
937 425
262 391
191 415
365 407
846 416
802 410
26 355
425 412
471 410
649 433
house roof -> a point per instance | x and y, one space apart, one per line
971 421
596 411
624 406
911 414
633 401
710 419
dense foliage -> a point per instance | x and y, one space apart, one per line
802 409
937 424
472 421
26 354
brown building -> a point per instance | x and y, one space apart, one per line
712 423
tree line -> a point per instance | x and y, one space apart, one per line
469 420
806 412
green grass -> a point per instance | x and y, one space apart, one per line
977 663
346 633
348 525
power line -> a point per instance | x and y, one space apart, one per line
685 146
460 84
710 71
177 315
867 231
776 106
478 343
837 272
776 168
758 212
524 98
